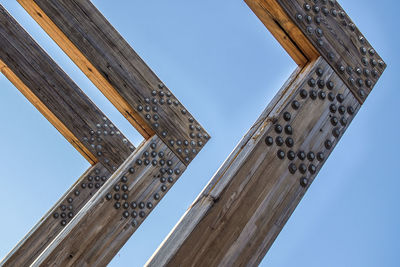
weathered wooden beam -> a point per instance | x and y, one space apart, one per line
114 67
284 30
241 211
333 34
52 223
58 98
117 209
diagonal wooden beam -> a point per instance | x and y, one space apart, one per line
114 67
237 217
58 98
114 213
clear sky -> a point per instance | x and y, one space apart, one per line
225 67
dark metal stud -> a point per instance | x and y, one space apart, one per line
330 85
307 7
278 128
311 156
292 168
289 142
125 214
333 108
311 82
163 188
334 121
331 96
63 223
156 196
124 179
288 129
163 179
149 205
70 214
142 214
287 116
117 205
328 144
134 214
125 196
299 16
302 168
90 185
313 94
116 187
361 93
281 154
312 169
269 141
141 205
321 84
340 98
342 110
63 215
279 141
343 121
83 185
146 162
70 200
134 223
291 155
56 215
301 155
320 156
350 110
322 95
133 205
124 188
319 72
131 170
303 93
295 105
117 196
170 179
316 9
139 162
303 181
336 132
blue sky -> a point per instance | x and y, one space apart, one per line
225 67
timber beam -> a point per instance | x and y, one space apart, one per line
239 214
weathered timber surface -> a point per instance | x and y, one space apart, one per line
335 36
284 30
52 223
115 68
238 215
117 209
58 98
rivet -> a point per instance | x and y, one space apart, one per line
278 128
325 11
288 129
134 214
322 95
295 105
342 109
163 179
307 7
124 187
133 205
309 20
55 215
116 187
142 214
70 199
331 56
341 68
149 205
83 185
331 96
352 27
269 141
312 169
303 93
340 98
321 84
333 108
279 141
177 171
313 94
334 121
292 168
281 154
310 156
363 50
319 32
328 144
63 215
289 142
125 196
336 132
141 205
316 9
311 82
156 196
301 155
368 83
63 222
320 156
309 28
77 192
350 110
334 12
97 185
117 196
287 116
117 205
90 185
163 188
291 155
330 85
343 121
303 181
125 214
302 168
361 93
299 16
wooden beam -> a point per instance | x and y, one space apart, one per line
284 30
54 221
333 34
114 67
58 98
241 211
114 213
